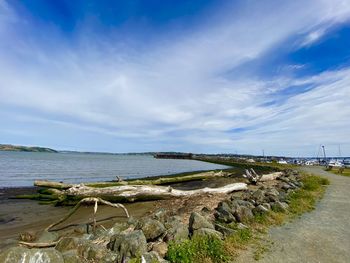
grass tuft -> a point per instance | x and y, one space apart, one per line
198 249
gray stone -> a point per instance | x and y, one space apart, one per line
161 215
198 221
117 228
47 237
243 214
152 257
71 256
279 206
69 243
131 244
92 252
161 248
259 196
207 232
176 230
224 217
152 229
224 230
259 210
25 255
241 226
267 206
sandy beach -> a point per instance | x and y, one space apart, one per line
18 216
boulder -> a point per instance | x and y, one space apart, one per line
161 215
47 237
129 244
161 248
151 257
92 252
71 256
259 210
207 232
224 230
279 206
198 221
26 255
243 214
224 217
259 196
117 228
69 243
176 230
152 229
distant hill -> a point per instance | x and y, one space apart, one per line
16 148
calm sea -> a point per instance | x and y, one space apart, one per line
22 168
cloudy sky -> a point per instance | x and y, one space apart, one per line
168 75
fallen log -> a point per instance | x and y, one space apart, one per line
155 181
132 193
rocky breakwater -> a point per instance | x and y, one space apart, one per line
147 239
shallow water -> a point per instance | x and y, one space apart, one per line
18 169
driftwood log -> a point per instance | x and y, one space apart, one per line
147 181
253 177
132 193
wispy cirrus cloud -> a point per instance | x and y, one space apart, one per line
174 93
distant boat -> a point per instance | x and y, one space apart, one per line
335 163
282 162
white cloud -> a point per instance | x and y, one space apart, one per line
174 92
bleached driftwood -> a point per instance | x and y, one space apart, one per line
146 181
133 193
270 176
253 177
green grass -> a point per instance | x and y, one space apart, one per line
214 250
198 249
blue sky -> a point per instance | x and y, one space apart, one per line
196 76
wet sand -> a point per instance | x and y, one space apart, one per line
18 216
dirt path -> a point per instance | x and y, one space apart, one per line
320 236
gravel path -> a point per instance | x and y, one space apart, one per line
322 235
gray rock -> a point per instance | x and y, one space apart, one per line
259 210
92 252
71 256
279 206
25 255
224 217
243 214
152 257
207 232
241 226
161 215
259 196
286 186
176 230
69 243
152 229
161 248
198 221
47 237
245 203
117 228
267 206
131 244
224 230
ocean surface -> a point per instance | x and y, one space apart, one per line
18 169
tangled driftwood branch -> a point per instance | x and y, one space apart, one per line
253 177
88 200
